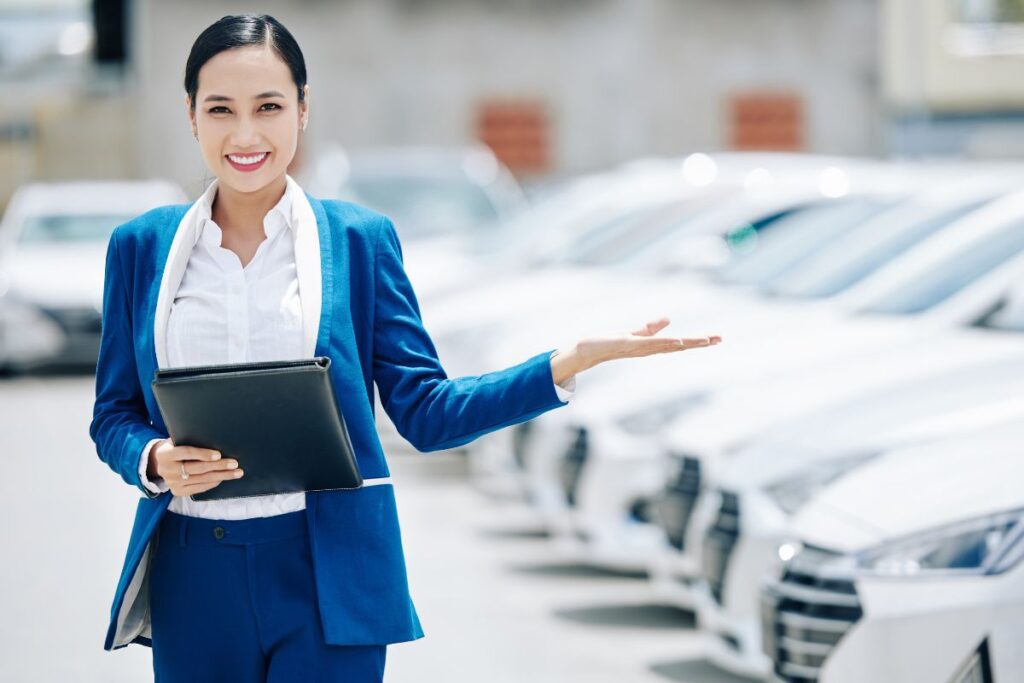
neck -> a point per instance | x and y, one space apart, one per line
243 212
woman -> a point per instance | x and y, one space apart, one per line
308 586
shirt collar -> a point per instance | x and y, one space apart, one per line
280 217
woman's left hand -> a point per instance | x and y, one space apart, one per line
642 342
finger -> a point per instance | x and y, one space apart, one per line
216 475
197 467
646 347
699 341
691 342
195 453
652 327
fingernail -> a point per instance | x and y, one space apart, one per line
216 455
233 464
238 473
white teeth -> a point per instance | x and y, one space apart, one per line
252 159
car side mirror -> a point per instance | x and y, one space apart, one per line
1007 312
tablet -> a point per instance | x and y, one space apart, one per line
278 419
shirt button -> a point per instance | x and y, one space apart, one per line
218 532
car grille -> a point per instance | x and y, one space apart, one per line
720 541
805 614
675 506
573 460
76 319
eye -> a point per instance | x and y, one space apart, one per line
274 106
219 109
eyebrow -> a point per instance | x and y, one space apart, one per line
225 98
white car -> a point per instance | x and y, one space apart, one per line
907 569
53 242
622 422
708 431
760 487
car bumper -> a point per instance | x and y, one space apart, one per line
927 629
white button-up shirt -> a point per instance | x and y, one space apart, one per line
224 313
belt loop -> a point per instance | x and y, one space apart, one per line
182 524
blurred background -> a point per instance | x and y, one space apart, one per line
833 186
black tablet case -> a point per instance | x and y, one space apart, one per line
279 419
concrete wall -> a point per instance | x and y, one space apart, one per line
621 78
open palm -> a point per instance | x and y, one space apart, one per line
641 342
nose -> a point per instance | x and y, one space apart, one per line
245 134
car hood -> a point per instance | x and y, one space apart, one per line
914 489
737 414
58 275
761 340
938 407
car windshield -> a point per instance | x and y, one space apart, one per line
616 240
794 238
881 241
51 229
422 205
950 275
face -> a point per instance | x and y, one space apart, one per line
247 117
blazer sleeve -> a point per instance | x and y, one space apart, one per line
429 409
120 425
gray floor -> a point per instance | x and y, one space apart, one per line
496 605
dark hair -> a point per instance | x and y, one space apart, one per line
241 30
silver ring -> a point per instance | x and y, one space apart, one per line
184 474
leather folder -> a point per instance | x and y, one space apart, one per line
279 419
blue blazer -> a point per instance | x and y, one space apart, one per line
371 329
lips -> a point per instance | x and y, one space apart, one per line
247 162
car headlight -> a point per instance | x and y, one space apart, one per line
654 417
791 494
986 545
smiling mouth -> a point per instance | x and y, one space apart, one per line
247 162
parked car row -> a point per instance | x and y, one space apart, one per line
829 489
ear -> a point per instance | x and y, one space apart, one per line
191 113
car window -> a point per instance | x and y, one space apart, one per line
421 205
951 274
834 270
69 228
797 236
617 240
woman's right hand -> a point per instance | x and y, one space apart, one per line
205 468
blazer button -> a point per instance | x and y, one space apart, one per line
218 532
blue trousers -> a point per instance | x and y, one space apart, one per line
235 600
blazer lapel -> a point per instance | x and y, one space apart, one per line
322 270
173 272
311 259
